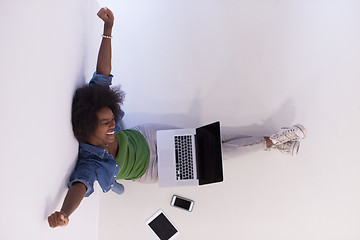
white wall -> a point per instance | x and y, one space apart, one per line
255 66
47 49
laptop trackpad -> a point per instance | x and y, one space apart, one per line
167 158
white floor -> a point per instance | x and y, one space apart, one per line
253 65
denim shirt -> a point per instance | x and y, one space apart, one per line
95 163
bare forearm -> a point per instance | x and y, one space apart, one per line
73 198
104 57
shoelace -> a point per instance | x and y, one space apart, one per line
286 135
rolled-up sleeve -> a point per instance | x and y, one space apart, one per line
84 173
101 80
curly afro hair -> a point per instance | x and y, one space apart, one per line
87 102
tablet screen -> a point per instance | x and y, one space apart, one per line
162 227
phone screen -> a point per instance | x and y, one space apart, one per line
182 203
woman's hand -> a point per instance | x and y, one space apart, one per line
107 16
72 200
58 219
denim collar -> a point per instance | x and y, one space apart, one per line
98 151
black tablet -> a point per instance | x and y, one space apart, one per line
162 226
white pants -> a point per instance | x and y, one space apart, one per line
232 146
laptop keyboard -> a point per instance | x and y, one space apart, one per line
184 157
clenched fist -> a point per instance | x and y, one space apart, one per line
58 219
107 16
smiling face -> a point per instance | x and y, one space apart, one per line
104 133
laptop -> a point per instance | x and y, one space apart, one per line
190 157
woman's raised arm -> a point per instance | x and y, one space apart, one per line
104 57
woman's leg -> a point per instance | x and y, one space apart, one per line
149 132
237 146
286 140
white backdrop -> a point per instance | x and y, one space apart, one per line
254 65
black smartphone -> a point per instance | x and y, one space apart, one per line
183 203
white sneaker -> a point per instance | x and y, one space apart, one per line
291 147
295 133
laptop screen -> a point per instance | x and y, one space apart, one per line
208 154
